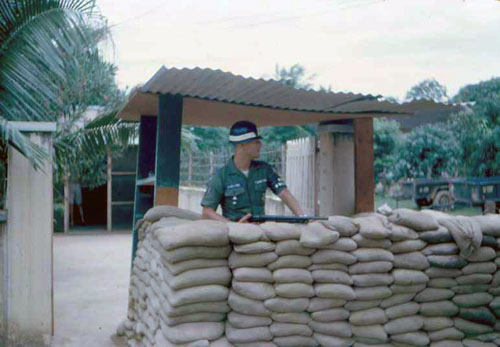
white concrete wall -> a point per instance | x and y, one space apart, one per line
29 247
190 198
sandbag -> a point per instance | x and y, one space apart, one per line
441 235
191 295
207 233
187 253
255 247
285 305
368 317
334 291
443 308
482 254
331 341
295 341
320 304
434 294
407 246
292 276
404 325
362 241
197 277
330 315
249 274
294 290
480 267
466 232
343 244
447 261
324 256
489 224
162 211
370 267
372 254
401 233
188 332
292 247
409 277
316 235
248 306
236 335
413 219
242 233
237 260
402 310
472 300
474 279
417 338
489 241
340 329
290 261
368 280
413 260
244 321
357 305
449 248
280 231
288 329
193 264
441 283
331 266
437 323
331 276
475 343
345 226
372 293
446 343
194 318
210 307
372 227
292 317
375 333
401 289
471 328
254 290
470 288
481 315
434 272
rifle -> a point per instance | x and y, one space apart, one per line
284 219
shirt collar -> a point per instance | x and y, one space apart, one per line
233 170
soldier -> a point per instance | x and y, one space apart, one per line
240 186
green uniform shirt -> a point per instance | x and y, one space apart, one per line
238 194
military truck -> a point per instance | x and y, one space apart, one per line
476 192
434 192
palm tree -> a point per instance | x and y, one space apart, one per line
38 43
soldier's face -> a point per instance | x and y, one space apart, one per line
252 148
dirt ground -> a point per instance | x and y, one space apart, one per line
91 278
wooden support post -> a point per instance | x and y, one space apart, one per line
109 205
145 168
168 149
67 205
364 173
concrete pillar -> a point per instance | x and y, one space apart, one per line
336 165
28 260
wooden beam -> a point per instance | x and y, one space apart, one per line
109 191
143 200
168 149
326 189
364 173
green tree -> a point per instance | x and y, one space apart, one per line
428 89
428 151
38 42
387 138
478 129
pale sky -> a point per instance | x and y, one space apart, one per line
367 46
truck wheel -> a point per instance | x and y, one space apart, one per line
442 200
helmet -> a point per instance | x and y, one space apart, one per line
243 131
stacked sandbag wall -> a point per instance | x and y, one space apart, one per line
403 279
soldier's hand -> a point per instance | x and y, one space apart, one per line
245 218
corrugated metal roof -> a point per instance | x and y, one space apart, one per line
225 87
